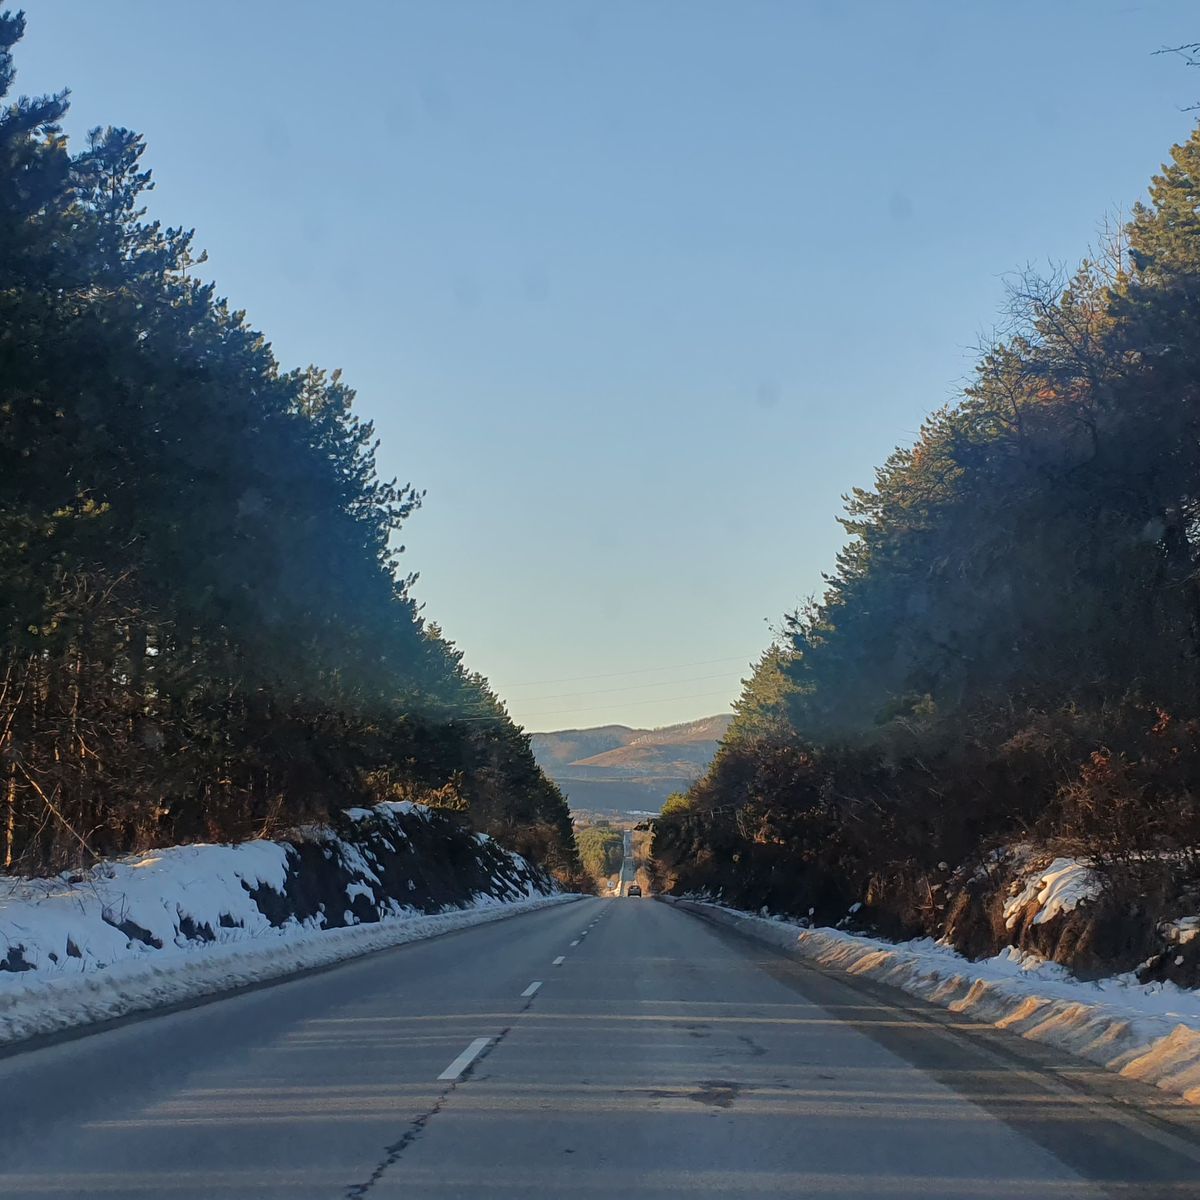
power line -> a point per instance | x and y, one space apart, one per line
712 662
633 687
635 704
564 712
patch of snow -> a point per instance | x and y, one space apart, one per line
1181 931
404 808
359 889
354 859
1060 887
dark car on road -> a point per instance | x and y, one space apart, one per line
634 890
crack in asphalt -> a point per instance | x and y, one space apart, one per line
398 1147
754 1048
416 1127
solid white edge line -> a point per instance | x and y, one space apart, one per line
533 987
465 1059
558 962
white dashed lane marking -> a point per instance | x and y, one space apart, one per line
465 1059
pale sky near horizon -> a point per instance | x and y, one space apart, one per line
636 291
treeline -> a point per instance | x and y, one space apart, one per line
601 850
1009 646
204 630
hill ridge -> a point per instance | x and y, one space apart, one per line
623 769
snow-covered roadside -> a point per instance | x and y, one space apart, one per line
176 924
1147 1032
54 1003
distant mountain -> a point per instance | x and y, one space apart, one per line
618 770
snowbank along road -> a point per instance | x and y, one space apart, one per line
596 1049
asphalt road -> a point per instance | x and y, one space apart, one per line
628 866
662 1058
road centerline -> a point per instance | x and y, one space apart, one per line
531 989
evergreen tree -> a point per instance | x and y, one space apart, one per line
204 628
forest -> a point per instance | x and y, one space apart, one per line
601 850
206 632
1007 650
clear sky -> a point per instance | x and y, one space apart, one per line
635 290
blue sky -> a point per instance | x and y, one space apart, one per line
636 291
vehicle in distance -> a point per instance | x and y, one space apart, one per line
634 890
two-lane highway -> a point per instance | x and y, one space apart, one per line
597 1049
628 866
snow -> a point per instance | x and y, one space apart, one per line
356 860
401 807
1147 1032
155 891
1182 931
1058 888
179 923
32 1003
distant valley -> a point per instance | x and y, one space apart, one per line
613 770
